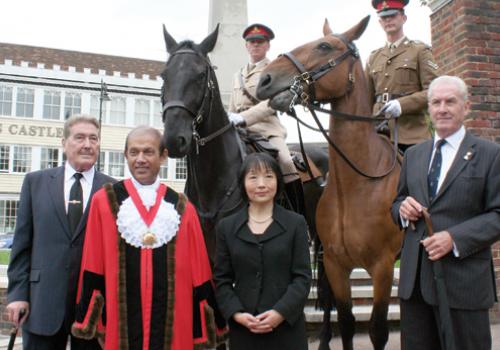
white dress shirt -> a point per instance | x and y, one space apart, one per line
86 182
448 152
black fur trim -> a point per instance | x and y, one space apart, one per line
89 330
169 320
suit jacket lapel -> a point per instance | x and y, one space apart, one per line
276 228
458 164
56 189
423 169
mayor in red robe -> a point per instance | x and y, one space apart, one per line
145 280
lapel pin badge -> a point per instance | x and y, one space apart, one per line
468 155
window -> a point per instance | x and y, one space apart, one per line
72 104
94 107
5 100
8 213
21 162
141 112
52 105
157 115
117 112
4 158
100 163
164 170
116 164
181 169
49 158
25 102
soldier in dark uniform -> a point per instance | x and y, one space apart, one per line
399 74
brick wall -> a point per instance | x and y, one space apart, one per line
5 326
466 43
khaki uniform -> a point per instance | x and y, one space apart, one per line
259 117
405 75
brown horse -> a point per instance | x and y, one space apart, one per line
353 216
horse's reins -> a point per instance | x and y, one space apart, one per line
309 78
207 98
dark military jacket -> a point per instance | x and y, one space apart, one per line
405 75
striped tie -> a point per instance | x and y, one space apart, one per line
435 170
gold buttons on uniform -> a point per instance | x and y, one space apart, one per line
386 74
386 89
389 61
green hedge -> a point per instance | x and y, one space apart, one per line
4 256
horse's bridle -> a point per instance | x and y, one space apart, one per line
308 78
207 100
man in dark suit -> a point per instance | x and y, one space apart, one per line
47 248
458 181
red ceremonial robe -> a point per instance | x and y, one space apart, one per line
142 298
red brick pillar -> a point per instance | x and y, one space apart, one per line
466 43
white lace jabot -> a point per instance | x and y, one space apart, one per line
147 192
132 227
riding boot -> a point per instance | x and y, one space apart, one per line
295 194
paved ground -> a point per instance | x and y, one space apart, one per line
361 341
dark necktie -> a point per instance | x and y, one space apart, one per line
75 204
435 170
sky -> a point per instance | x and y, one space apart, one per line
133 28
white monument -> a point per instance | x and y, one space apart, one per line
229 55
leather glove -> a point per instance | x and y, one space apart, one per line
391 109
236 118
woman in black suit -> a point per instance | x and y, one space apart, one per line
262 268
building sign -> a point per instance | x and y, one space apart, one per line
31 130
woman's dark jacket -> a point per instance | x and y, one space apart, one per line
256 275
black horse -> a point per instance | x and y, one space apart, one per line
197 126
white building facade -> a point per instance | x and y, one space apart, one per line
39 87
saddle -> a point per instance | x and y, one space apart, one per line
252 142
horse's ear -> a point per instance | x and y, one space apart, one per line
169 41
208 44
355 32
326 28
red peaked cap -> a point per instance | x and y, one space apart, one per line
389 7
258 31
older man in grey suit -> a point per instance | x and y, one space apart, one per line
458 180
47 249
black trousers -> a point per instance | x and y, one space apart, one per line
420 325
57 341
